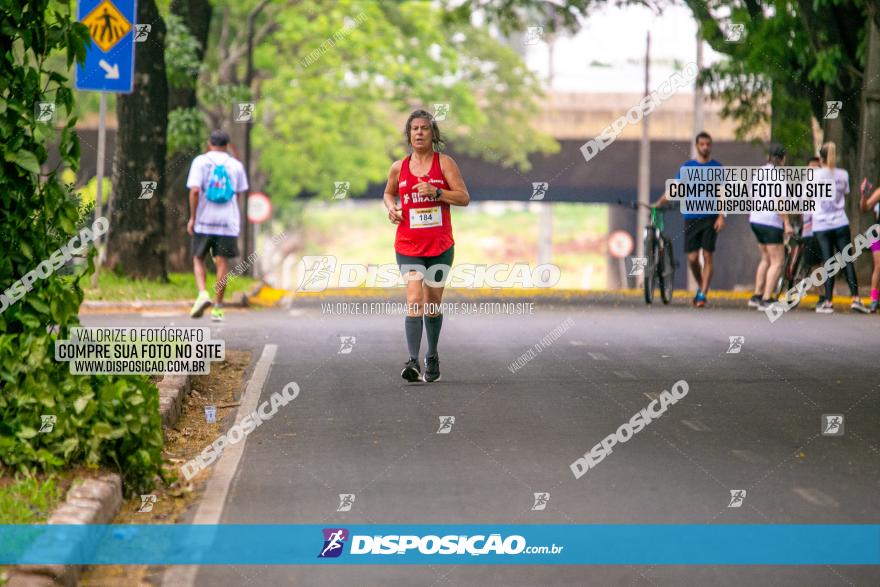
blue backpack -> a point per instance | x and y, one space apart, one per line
220 188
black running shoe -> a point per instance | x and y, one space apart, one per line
432 368
411 371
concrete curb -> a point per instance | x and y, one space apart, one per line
97 500
236 300
94 501
172 390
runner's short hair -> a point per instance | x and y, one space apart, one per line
219 138
436 138
702 135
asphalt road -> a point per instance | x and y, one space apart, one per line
751 420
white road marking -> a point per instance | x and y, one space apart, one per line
624 374
651 395
598 356
696 425
816 497
748 456
211 505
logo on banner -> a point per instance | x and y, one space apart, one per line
334 540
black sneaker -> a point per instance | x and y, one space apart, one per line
755 301
432 368
411 371
764 304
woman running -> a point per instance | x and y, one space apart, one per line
770 229
831 228
866 204
427 183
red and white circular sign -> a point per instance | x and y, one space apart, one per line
259 208
620 244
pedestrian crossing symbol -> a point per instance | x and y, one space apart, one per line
106 25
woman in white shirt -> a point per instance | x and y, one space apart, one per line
770 229
831 228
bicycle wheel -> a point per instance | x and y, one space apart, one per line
667 271
799 272
793 256
650 267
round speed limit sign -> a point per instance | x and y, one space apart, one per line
620 244
259 208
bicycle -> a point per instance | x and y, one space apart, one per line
659 272
794 267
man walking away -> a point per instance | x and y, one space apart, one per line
215 179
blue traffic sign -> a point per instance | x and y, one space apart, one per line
109 64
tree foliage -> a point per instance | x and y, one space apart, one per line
335 112
793 53
101 420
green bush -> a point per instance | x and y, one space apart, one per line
28 500
100 420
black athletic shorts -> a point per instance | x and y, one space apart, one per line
435 269
768 235
699 233
219 246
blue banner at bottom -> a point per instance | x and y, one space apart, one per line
309 544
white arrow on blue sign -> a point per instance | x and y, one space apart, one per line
109 64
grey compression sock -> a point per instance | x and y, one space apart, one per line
433 325
413 335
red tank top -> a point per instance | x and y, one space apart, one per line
426 228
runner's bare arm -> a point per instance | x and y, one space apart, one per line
193 205
390 198
457 194
871 201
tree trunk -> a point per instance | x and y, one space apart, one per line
196 14
135 245
869 150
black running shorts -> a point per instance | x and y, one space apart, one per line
699 233
768 235
219 246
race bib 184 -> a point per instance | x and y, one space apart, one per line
425 217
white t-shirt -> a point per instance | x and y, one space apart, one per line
212 218
767 218
831 214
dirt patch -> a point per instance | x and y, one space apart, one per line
192 433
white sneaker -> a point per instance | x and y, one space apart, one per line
825 307
858 306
